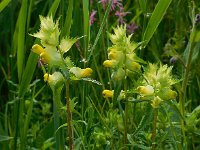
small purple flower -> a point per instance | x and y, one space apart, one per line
173 60
131 28
115 3
121 14
92 17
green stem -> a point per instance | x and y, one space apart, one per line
154 128
126 113
59 134
69 119
21 124
185 80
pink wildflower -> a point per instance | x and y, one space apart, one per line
92 17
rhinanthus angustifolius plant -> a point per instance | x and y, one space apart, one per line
122 58
52 51
121 55
156 84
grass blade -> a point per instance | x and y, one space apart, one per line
155 19
21 39
3 4
68 19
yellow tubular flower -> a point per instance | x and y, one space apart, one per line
46 77
86 72
145 90
38 49
107 93
108 63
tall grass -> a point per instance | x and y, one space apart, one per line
168 33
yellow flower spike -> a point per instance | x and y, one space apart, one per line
86 72
156 102
146 90
38 49
109 63
107 93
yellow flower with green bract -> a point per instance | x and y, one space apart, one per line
156 84
121 55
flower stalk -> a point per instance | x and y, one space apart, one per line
69 119
154 128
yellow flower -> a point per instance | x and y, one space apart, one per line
49 55
81 73
146 90
38 49
107 93
55 80
109 63
86 72
46 77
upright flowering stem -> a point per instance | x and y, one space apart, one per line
154 128
21 124
126 113
69 119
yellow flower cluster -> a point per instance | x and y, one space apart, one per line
121 56
157 84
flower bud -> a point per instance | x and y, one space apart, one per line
38 49
109 63
86 72
81 73
146 90
107 93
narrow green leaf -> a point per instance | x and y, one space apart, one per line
100 29
54 8
86 24
3 4
21 39
155 19
68 19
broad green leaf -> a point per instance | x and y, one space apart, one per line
155 19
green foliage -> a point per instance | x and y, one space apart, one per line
151 47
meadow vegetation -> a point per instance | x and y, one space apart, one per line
100 74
